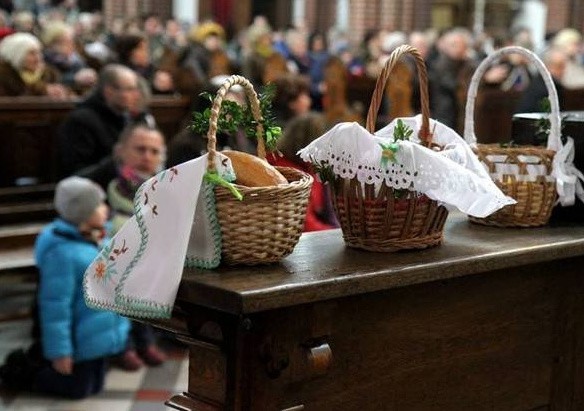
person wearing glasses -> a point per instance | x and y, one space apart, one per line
89 133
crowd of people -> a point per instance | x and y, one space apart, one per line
111 144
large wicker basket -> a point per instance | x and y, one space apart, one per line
388 220
265 226
509 165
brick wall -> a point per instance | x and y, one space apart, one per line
129 9
404 15
558 14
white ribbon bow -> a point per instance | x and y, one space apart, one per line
568 177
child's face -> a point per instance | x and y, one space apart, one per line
99 217
302 104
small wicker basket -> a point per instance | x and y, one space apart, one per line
386 220
509 167
265 226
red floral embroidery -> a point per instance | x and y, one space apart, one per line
100 269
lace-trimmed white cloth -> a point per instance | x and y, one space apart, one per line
454 176
139 271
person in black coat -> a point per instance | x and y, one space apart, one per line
449 76
531 100
89 133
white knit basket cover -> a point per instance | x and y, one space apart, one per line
453 176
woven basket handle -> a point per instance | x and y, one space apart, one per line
554 142
255 110
425 135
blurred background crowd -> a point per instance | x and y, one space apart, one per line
104 74
112 71
65 50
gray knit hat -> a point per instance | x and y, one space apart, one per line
76 198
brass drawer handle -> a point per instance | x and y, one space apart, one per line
320 358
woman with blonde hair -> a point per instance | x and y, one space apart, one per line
61 53
23 71
570 41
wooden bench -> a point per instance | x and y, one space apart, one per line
23 213
28 169
494 110
29 129
573 100
490 320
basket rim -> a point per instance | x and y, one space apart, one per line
517 149
304 179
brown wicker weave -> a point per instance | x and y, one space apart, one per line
535 199
265 226
390 220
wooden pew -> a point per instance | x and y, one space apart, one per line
494 110
359 92
573 99
29 129
335 104
490 320
28 168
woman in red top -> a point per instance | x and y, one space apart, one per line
299 132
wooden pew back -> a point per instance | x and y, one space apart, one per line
29 131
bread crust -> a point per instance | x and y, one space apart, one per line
252 171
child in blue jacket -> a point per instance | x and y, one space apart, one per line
75 339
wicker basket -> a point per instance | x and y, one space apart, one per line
535 196
265 226
381 221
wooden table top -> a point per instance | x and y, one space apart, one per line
322 267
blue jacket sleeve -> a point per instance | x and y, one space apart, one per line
56 293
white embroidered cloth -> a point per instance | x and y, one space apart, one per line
139 271
454 176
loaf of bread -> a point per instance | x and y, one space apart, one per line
252 171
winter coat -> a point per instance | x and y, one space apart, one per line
532 97
88 134
11 84
68 326
319 213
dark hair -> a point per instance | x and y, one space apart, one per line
288 88
125 44
313 36
299 132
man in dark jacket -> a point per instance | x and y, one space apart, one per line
449 76
555 61
89 133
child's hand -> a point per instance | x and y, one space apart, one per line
63 365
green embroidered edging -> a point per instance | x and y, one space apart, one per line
144 308
125 305
135 308
211 212
141 248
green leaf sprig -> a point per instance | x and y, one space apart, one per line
543 126
402 131
233 117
